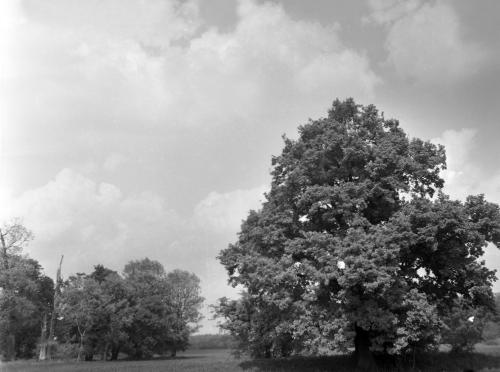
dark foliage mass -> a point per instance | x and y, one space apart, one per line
357 246
143 312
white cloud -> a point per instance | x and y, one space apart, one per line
463 175
94 223
225 212
424 40
102 64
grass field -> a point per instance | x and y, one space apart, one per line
487 358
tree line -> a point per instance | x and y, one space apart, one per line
212 341
143 311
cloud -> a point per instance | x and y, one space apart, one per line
424 40
101 64
94 223
386 11
463 175
224 212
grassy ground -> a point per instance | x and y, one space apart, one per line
486 359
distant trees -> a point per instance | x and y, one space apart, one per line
144 312
211 341
357 245
184 301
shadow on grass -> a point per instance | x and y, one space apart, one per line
430 362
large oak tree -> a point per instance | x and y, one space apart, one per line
356 244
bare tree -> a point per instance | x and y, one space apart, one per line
46 343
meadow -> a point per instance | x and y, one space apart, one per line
485 359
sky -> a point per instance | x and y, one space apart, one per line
133 128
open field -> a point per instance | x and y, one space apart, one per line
487 359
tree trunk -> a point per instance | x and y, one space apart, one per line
104 353
115 350
363 356
54 310
43 339
80 351
81 348
10 352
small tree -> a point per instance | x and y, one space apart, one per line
357 244
151 320
116 309
185 302
81 306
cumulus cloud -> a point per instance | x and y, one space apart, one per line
100 64
224 212
424 40
460 175
93 222
463 175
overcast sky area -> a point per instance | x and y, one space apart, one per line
146 128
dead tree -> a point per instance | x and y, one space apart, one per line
46 342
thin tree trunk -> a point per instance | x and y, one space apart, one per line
364 357
413 364
104 353
43 339
115 350
80 349
10 352
54 311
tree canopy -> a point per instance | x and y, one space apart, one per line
142 313
356 244
25 294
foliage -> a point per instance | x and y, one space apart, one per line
143 313
25 294
356 244
185 301
464 327
491 330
